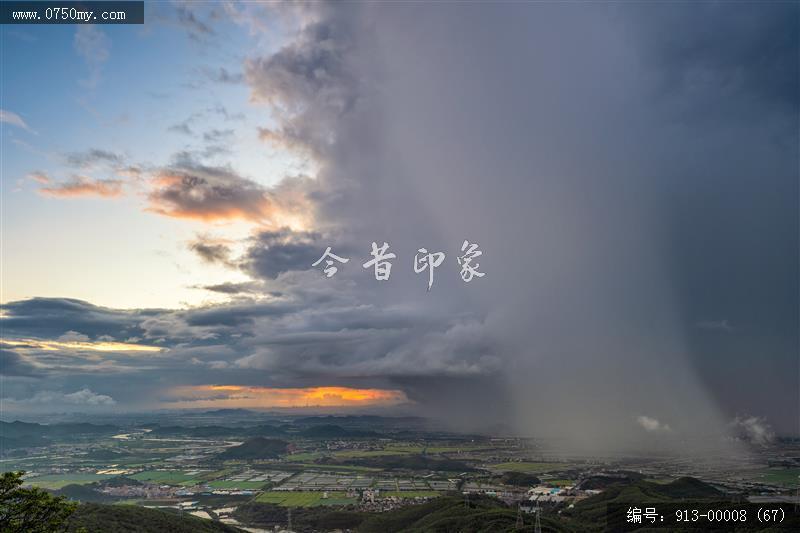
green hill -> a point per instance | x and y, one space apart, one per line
133 519
519 479
591 513
255 448
84 493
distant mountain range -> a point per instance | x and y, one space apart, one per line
25 434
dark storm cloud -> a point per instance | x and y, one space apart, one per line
53 317
233 315
313 333
272 253
382 348
728 79
604 180
14 364
712 53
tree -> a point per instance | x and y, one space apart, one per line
30 510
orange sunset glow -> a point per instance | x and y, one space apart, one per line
268 397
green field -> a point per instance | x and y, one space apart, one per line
216 474
303 456
303 499
244 485
466 447
367 453
453 449
530 467
56 481
336 468
401 448
781 476
558 482
165 477
411 494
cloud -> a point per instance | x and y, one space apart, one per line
212 250
245 287
78 343
73 336
8 117
94 46
191 190
423 137
696 65
216 135
39 177
79 186
223 75
206 193
309 334
83 397
87 397
221 110
753 429
53 317
652 425
181 127
272 253
13 363
715 325
308 83
94 157
196 28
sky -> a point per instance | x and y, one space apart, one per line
628 172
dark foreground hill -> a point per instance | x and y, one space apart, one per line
606 511
98 518
443 514
482 514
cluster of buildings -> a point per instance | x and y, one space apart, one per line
147 491
373 501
